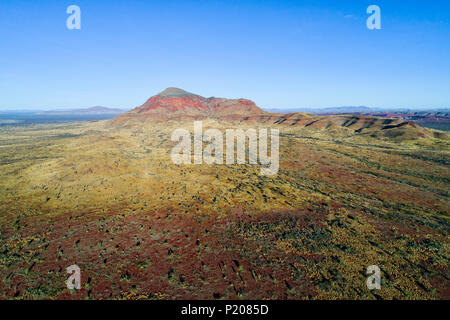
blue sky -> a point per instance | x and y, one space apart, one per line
280 54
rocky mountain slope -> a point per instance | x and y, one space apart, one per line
177 104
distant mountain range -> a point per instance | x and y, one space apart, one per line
92 110
177 104
349 109
357 110
178 93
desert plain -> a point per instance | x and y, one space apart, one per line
105 195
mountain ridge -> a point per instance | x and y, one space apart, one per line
179 105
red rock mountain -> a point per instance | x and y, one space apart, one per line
177 104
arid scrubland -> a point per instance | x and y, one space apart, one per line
110 200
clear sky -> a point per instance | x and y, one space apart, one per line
280 54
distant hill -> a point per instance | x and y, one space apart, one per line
433 118
91 110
